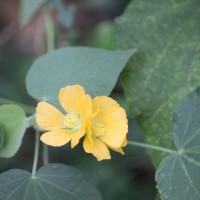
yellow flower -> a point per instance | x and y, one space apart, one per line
69 126
107 127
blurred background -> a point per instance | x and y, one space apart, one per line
25 28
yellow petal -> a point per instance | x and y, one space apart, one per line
119 150
86 108
116 127
70 98
56 138
88 130
76 136
124 142
48 117
97 148
103 103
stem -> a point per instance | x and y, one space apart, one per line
149 146
50 42
45 154
49 28
36 153
28 109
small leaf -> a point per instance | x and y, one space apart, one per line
13 125
53 181
178 176
166 66
28 9
96 70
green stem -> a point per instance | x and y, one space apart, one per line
49 29
50 42
36 153
28 109
149 146
45 154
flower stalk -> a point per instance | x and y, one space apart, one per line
45 154
152 147
50 45
36 153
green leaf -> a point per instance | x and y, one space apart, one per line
167 64
13 123
28 9
96 70
53 181
178 175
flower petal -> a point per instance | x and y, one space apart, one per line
97 148
125 142
56 138
86 108
116 127
120 150
70 98
48 117
103 104
76 136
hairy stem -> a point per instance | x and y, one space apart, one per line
149 146
45 154
36 153
50 42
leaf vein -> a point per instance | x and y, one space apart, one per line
50 183
188 176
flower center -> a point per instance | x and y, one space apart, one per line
97 129
72 121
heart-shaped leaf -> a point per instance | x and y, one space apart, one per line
53 181
178 176
166 66
97 70
13 123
